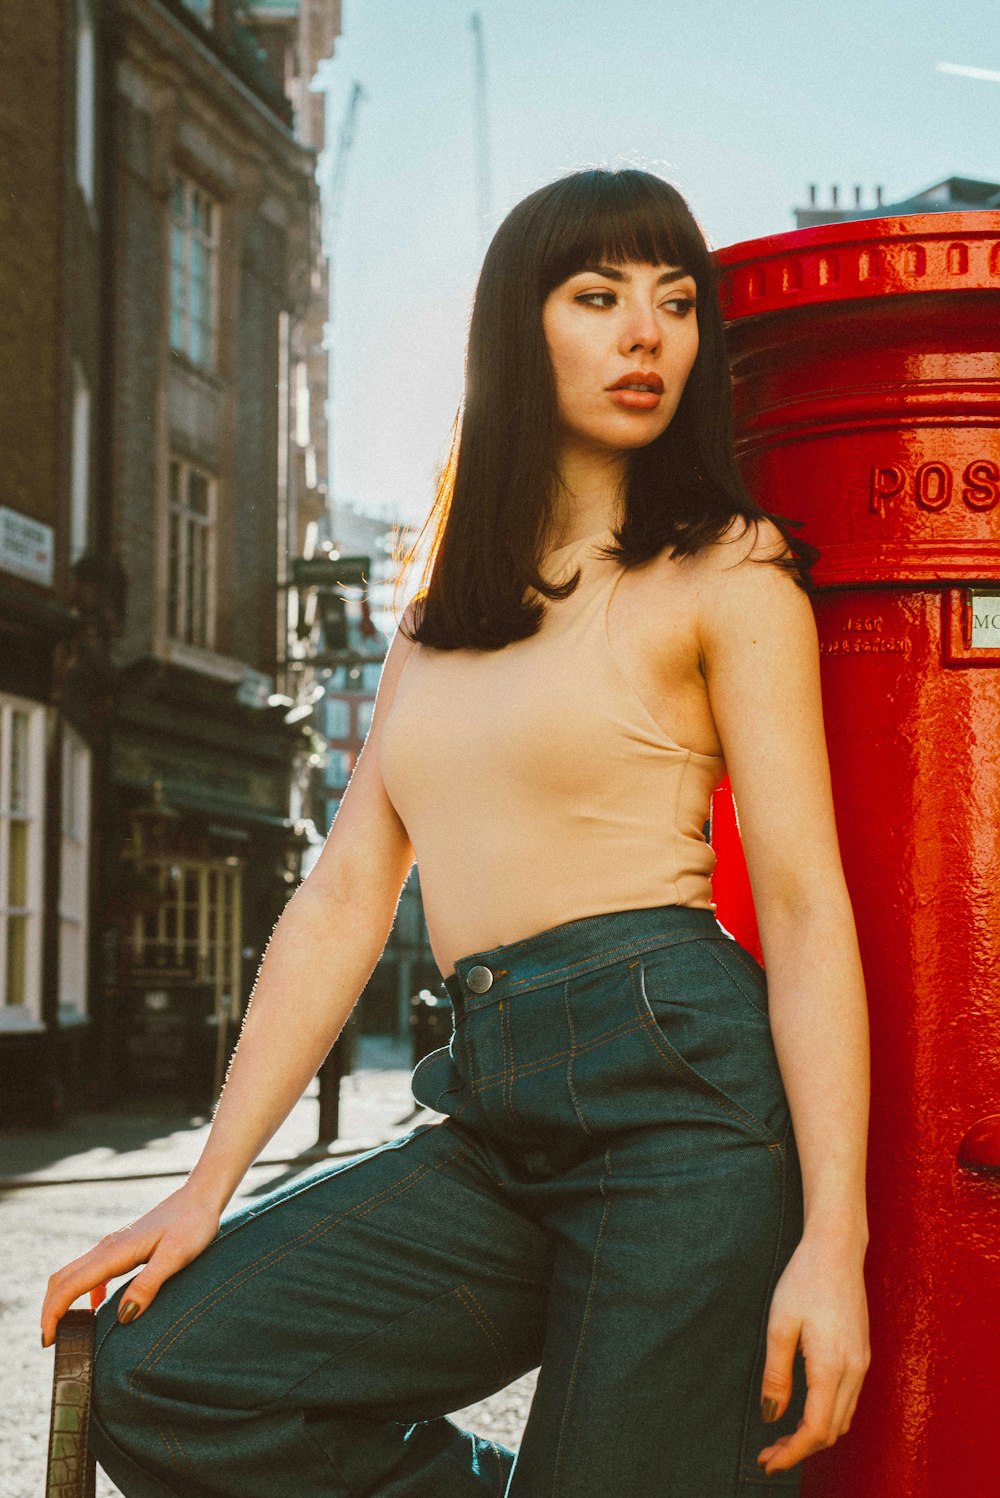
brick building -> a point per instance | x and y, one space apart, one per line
161 275
59 587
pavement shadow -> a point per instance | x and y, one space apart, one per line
86 1141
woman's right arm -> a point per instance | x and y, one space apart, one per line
320 956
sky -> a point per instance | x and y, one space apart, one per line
739 105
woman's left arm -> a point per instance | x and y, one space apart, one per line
760 657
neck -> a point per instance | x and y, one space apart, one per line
590 493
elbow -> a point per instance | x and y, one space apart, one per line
804 896
340 896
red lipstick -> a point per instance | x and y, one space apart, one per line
628 391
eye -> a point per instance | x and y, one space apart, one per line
685 303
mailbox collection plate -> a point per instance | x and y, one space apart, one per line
971 625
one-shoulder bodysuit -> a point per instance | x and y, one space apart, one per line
535 785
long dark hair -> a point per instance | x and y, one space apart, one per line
495 498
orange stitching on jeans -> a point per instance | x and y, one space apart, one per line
548 1062
485 1322
512 1073
503 1473
418 1171
622 1028
177 1443
659 1040
737 976
273 1257
594 1276
400 1187
574 1051
595 957
503 1055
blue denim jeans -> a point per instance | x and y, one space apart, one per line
610 1197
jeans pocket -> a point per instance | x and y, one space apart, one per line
433 1076
704 1029
744 969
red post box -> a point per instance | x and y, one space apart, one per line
867 403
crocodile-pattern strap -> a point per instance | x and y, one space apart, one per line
71 1467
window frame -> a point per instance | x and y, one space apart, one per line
79 514
180 226
86 92
26 1015
209 966
184 522
74 875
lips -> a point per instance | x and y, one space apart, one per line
640 377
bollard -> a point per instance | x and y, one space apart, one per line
430 1023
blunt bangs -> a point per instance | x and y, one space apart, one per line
599 217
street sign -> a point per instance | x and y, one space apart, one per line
331 572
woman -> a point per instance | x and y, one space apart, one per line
615 1193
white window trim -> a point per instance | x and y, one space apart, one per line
211 530
212 242
77 762
26 1016
85 98
79 520
217 963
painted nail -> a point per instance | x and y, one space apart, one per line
769 1410
128 1312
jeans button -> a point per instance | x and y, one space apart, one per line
479 979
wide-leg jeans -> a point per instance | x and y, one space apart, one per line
610 1197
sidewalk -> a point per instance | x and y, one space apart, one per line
65 1187
150 1140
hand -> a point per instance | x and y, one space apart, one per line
820 1302
166 1238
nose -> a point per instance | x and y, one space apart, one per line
641 330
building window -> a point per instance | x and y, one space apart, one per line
22 758
80 460
85 90
338 718
338 768
194 224
74 871
192 928
191 555
200 8
365 711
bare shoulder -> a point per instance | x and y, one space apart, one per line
401 647
736 585
742 543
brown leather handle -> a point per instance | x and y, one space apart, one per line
72 1471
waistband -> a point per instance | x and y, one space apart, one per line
573 948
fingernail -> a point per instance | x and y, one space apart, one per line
769 1410
128 1312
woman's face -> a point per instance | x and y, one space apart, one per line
610 322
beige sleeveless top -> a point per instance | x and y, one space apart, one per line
534 784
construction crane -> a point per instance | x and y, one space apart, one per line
338 168
330 221
483 185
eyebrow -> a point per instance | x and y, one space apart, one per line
613 274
